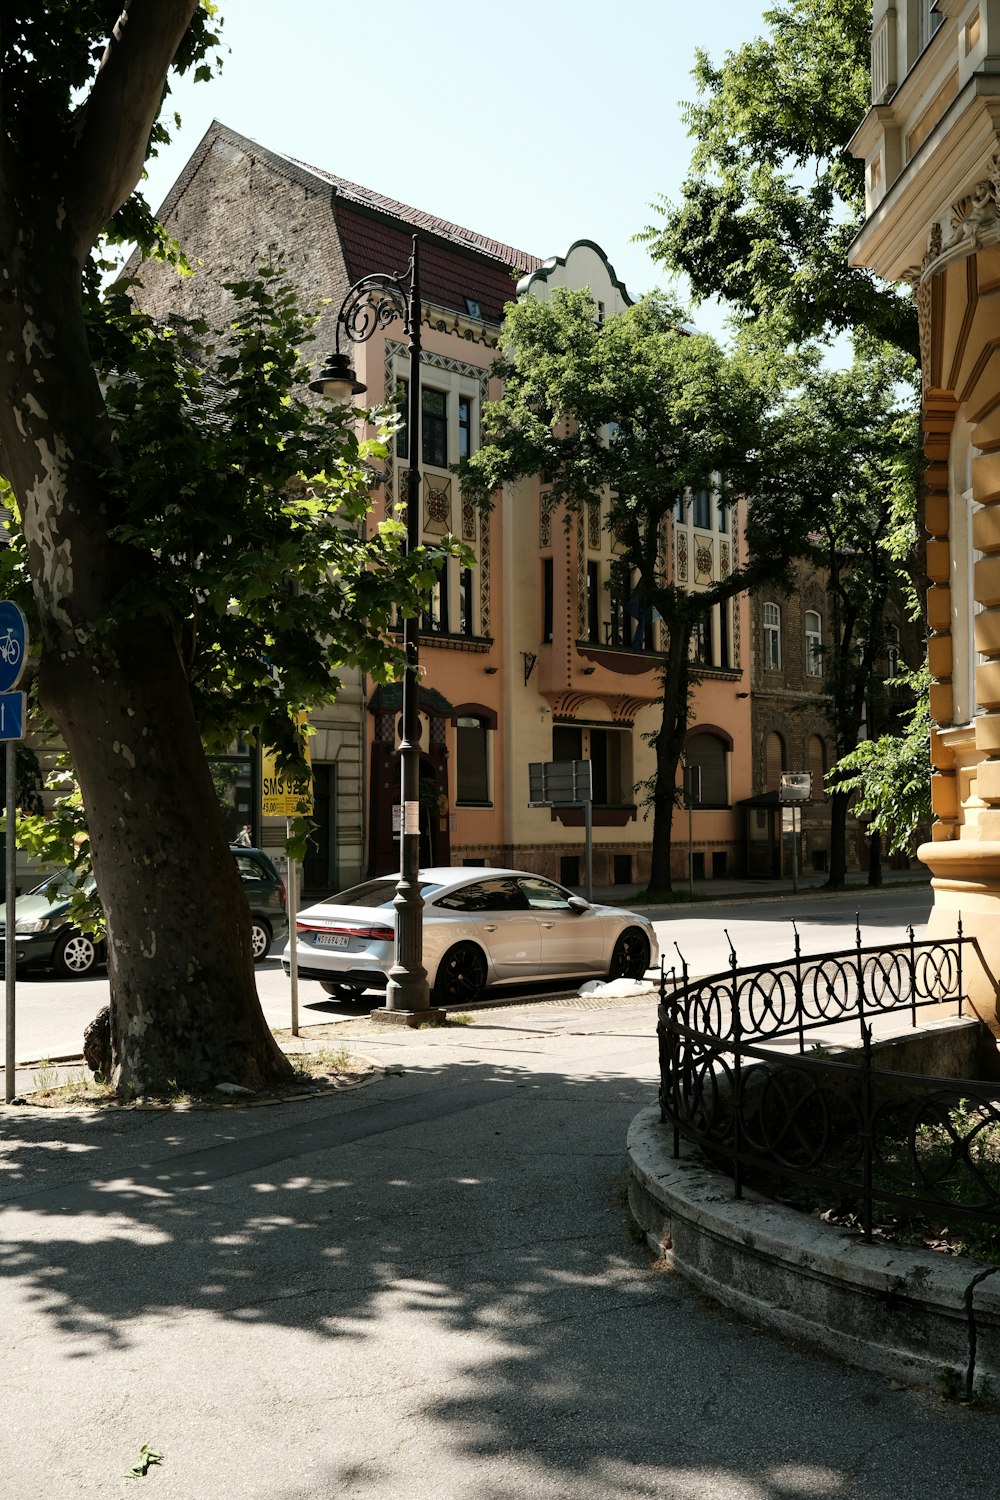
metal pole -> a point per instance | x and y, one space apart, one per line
293 954
10 950
795 849
407 984
588 825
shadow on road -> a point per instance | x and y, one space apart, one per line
451 1241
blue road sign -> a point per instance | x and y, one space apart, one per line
13 711
13 648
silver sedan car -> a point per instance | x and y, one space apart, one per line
481 928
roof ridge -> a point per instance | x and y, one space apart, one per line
369 198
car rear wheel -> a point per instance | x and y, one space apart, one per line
348 993
630 956
75 955
461 975
260 939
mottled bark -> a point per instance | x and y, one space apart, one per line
184 1002
669 747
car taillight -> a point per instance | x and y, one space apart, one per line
378 934
284 898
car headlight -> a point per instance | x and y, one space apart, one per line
33 924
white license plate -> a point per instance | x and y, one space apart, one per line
332 940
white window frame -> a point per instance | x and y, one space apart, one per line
814 643
772 636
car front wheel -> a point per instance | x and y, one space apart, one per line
461 975
75 955
630 957
260 939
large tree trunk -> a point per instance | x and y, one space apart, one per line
838 841
669 746
184 1002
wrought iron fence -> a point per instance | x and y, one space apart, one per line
746 1077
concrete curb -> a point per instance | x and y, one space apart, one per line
895 1311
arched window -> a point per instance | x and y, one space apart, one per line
817 765
814 643
706 770
772 638
774 761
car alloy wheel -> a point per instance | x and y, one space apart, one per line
461 975
630 958
75 955
260 939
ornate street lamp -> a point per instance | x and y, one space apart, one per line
371 304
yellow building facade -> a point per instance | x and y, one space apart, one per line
931 147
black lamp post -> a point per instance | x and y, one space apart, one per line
370 304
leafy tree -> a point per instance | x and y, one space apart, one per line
773 196
637 410
188 524
850 437
890 776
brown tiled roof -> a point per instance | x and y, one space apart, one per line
417 218
455 264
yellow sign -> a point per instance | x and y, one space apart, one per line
281 795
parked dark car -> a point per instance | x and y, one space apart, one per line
44 938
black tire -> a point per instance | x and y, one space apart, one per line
630 956
75 955
347 993
260 939
461 975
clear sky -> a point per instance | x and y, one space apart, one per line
555 122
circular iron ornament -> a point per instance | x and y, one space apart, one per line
709 1010
768 1000
886 979
936 975
921 1148
829 989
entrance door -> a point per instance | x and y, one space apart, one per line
319 868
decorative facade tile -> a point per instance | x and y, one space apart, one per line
594 526
682 556
437 505
703 559
581 580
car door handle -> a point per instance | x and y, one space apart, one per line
548 924
490 926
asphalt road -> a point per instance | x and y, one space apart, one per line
421 1290
52 1013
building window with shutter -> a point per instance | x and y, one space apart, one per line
472 773
705 757
774 761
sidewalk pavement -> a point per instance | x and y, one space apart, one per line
426 1287
746 889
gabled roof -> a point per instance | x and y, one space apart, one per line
459 269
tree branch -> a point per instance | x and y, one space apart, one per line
114 124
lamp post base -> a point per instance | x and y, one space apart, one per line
432 1016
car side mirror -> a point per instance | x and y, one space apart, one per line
577 904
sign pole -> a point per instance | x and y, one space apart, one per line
588 828
10 951
293 949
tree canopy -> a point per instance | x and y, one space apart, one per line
773 196
637 411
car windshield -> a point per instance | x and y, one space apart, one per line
61 886
376 893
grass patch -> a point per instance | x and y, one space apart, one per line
330 1062
77 1087
440 1023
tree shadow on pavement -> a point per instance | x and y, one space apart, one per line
424 1287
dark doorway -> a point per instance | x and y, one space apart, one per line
319 868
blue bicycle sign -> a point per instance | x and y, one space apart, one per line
13 645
